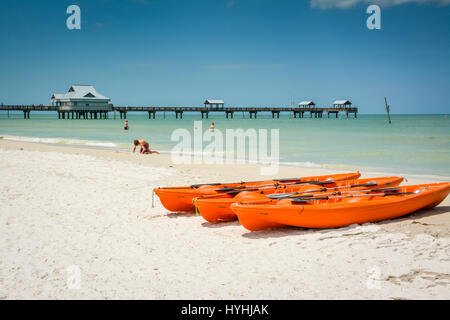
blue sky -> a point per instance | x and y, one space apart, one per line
247 52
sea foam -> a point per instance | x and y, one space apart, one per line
66 141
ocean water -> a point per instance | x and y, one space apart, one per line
416 144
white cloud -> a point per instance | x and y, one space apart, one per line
345 4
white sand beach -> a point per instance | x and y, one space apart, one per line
65 206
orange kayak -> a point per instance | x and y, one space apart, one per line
178 199
217 207
338 211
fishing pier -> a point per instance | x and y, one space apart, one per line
82 101
229 112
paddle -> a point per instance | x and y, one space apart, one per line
344 192
220 183
242 182
275 185
286 180
239 191
195 186
303 200
285 195
283 181
383 189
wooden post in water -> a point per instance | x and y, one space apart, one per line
387 110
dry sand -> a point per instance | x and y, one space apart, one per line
62 207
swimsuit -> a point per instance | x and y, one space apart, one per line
145 148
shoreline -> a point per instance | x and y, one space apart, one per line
371 171
89 208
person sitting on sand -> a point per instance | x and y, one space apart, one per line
145 148
125 125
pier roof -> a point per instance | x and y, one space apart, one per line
342 102
307 103
80 92
214 101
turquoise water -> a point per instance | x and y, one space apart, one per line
418 144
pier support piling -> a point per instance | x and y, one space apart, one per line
229 114
253 113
